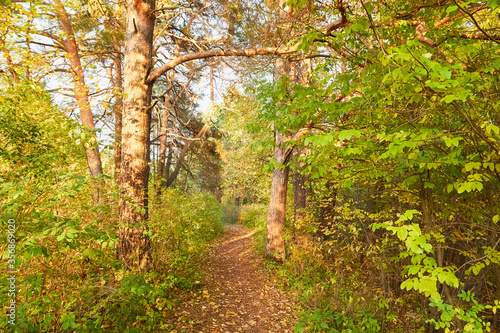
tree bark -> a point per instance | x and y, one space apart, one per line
81 95
299 187
134 245
298 179
166 171
276 215
163 146
118 111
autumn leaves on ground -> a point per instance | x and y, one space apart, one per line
236 295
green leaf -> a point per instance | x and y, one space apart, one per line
402 233
348 134
414 269
369 7
493 3
472 165
407 284
450 98
451 9
445 72
492 128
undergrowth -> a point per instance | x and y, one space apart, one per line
68 276
329 281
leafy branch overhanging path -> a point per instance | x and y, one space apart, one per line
236 296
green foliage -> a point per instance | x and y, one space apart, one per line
69 277
57 231
96 292
407 133
244 180
230 212
403 165
253 216
36 136
331 286
471 317
337 322
182 226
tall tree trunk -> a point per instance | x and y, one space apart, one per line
81 95
118 110
276 215
163 145
299 179
211 84
299 187
134 245
166 171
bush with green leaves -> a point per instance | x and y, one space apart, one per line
407 132
253 216
337 322
61 238
68 276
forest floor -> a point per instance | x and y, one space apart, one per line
236 295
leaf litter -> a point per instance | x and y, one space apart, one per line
236 295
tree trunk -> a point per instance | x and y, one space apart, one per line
183 153
166 171
81 95
299 187
163 146
212 84
118 111
134 246
298 179
276 216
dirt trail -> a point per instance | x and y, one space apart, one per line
236 296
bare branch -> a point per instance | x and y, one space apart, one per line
218 53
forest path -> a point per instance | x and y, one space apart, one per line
236 296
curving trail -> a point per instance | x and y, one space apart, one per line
236 296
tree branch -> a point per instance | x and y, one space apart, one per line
218 53
475 22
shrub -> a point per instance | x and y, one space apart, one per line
253 216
